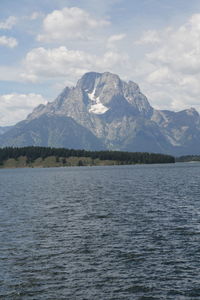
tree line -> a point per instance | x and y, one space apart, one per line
32 153
187 158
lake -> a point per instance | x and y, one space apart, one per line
121 232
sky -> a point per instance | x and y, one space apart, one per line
48 45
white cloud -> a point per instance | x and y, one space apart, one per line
173 81
10 73
149 37
35 15
113 39
8 41
111 61
16 107
69 23
56 62
8 23
62 62
180 49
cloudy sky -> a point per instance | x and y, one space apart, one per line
46 45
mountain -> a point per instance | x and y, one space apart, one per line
54 131
4 129
104 112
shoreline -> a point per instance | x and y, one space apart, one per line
28 157
100 163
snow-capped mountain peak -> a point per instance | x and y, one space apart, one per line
103 111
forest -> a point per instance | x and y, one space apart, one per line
33 153
188 158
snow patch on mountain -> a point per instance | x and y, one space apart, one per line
96 107
91 96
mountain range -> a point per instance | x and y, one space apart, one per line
104 112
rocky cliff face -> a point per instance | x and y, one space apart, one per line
182 129
113 114
54 131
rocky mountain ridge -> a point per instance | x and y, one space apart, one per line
110 114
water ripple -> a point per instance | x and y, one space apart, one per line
127 232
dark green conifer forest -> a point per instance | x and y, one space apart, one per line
32 153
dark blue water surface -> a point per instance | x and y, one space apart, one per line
121 232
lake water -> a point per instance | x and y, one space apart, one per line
121 232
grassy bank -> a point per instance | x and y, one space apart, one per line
53 161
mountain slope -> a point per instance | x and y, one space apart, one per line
4 129
51 131
182 129
111 113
